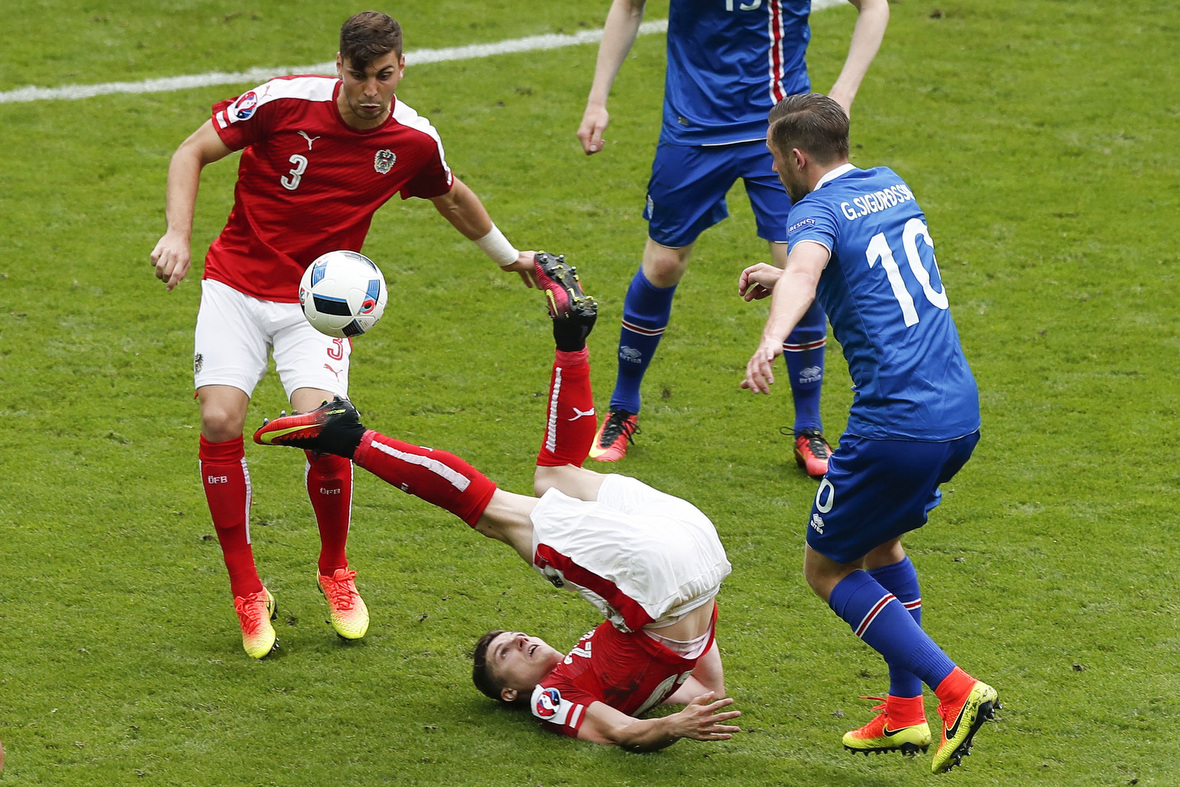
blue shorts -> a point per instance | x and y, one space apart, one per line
686 193
877 490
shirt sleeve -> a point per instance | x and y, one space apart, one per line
244 120
560 706
433 180
811 220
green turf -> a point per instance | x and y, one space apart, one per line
1041 138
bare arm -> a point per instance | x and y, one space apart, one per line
793 294
702 720
618 35
173 252
463 209
871 20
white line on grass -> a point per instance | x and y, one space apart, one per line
259 75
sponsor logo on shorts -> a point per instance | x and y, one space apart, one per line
383 161
817 523
800 225
548 701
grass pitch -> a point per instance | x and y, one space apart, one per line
1041 140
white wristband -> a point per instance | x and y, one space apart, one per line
496 246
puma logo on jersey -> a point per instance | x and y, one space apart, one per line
582 413
310 140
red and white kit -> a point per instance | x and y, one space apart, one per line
640 556
629 671
644 559
332 179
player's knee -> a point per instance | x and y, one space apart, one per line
664 267
544 479
815 580
219 424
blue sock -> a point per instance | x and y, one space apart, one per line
881 621
804 353
645 316
901 580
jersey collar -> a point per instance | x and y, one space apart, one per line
832 175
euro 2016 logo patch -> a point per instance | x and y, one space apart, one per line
244 107
383 161
548 701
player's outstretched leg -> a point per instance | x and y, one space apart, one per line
332 428
900 726
563 287
570 421
438 477
961 719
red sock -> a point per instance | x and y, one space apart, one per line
905 711
437 477
227 489
954 686
570 423
329 485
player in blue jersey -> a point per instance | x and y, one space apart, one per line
729 61
858 243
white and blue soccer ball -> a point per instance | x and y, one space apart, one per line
343 293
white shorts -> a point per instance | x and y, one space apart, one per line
236 333
658 551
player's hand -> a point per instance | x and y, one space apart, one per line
702 719
760 368
525 267
171 259
594 122
757 281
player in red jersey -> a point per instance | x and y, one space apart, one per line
650 562
319 156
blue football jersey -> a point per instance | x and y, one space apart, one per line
729 62
888 307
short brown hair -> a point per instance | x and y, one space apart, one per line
813 123
368 36
481 671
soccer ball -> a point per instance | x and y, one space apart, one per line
343 293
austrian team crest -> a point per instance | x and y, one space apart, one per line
383 161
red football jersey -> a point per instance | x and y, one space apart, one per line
628 671
309 183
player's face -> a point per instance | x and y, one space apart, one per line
366 96
788 174
519 661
